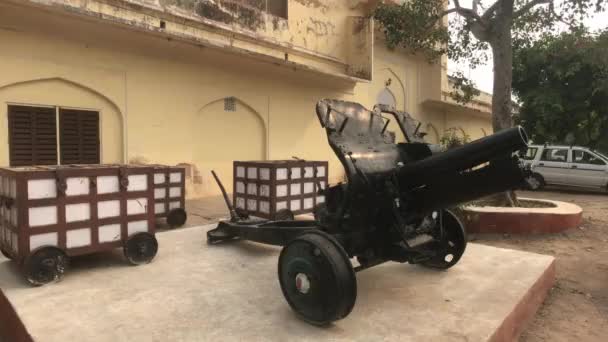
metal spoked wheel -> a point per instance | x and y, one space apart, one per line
46 265
141 248
317 278
451 248
535 182
177 217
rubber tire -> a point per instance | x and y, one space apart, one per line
538 178
455 244
140 248
284 215
333 285
177 217
46 265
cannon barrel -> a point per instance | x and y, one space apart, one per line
452 177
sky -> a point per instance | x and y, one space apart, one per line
483 75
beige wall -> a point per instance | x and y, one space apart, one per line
162 101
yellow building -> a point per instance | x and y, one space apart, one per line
201 82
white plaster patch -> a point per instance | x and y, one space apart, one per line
295 205
281 205
295 189
308 203
240 172
40 240
137 206
308 172
160 193
240 187
265 174
296 173
175 177
320 171
109 233
252 189
175 192
41 188
137 227
159 178
77 212
78 238
107 184
252 173
281 190
138 183
77 186
175 205
108 209
281 174
42 216
159 208
265 190
309 188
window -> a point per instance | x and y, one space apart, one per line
583 157
555 155
277 8
530 153
33 136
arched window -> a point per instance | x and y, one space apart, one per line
386 97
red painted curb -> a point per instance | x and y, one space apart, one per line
523 220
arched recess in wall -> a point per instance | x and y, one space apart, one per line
396 86
432 134
60 92
226 130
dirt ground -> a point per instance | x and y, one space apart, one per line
577 307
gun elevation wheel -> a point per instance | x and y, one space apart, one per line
46 265
177 217
141 248
451 248
317 278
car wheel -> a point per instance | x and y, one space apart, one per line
535 182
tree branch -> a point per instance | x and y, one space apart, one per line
490 11
468 13
525 8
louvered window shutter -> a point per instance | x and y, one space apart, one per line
79 136
32 136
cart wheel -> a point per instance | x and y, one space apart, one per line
284 215
177 217
141 248
317 278
6 255
46 265
451 248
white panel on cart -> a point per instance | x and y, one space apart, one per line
107 184
265 207
240 203
42 216
137 206
252 173
1 185
175 192
109 233
5 186
77 186
295 205
281 190
265 174
240 172
252 189
159 208
251 204
296 189
137 227
296 173
320 171
308 172
39 240
78 238
240 187
321 199
175 177
281 205
108 209
41 188
175 205
13 216
308 203
15 240
281 174
13 189
138 183
159 178
265 190
322 185
160 193
309 188
77 212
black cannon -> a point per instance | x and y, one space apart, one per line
392 208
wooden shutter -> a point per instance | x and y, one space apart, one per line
32 136
78 136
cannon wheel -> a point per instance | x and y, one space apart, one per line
317 278
535 182
45 265
452 246
141 248
177 217
284 215
6 255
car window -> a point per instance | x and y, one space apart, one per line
530 153
583 157
555 155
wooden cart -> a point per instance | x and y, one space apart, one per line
278 189
170 194
48 214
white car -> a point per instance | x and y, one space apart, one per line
571 166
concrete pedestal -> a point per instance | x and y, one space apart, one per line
196 292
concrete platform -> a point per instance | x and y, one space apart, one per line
195 292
